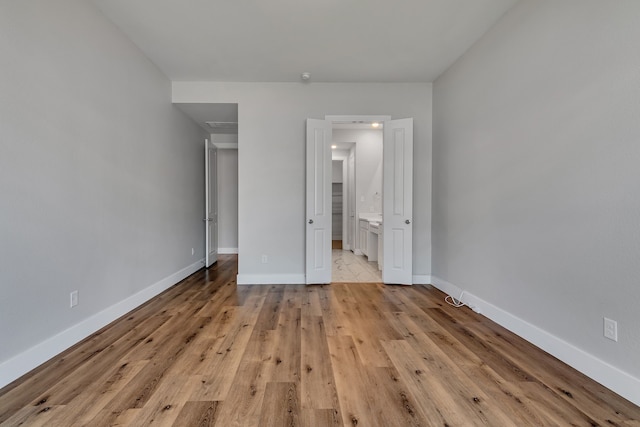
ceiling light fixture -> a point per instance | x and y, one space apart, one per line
375 125
333 147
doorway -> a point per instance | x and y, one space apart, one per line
220 122
357 150
395 172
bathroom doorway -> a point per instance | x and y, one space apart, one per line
356 153
395 225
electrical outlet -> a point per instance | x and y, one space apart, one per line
73 299
265 259
193 251
611 329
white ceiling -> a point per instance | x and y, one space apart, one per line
277 40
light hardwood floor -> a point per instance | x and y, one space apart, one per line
207 352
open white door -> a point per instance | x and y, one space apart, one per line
211 203
397 209
318 220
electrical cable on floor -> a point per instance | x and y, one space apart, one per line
455 302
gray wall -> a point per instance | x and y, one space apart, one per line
227 200
272 157
100 176
536 177
336 174
368 166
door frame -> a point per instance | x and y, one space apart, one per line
337 119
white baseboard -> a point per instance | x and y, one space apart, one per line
271 279
609 376
421 279
227 250
17 366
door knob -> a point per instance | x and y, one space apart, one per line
310 221
407 221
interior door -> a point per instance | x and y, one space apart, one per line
397 207
211 203
318 209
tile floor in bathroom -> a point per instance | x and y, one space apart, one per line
347 267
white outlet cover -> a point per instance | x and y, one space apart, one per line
611 329
73 299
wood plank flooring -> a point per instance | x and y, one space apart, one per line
207 352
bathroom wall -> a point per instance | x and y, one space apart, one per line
368 166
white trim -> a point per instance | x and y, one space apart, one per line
421 279
226 145
611 377
357 251
227 250
270 279
24 362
